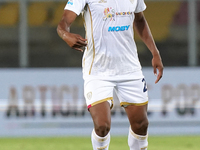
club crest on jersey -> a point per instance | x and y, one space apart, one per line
109 13
70 2
103 1
89 95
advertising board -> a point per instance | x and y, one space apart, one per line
50 102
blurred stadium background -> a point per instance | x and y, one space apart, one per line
41 90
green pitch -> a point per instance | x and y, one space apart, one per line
83 143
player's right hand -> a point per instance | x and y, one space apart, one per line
75 41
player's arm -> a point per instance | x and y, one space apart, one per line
75 41
142 28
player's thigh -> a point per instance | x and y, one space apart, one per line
101 115
99 98
137 114
133 97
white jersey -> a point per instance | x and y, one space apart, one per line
111 50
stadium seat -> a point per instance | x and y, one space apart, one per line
9 14
160 16
181 17
58 11
38 13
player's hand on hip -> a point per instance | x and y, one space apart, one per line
157 65
75 41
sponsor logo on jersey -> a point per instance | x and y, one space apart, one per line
109 13
124 13
103 1
70 2
118 28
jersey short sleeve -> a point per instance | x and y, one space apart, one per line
75 5
141 6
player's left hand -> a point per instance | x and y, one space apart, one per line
157 65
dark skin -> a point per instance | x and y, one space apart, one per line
101 113
75 41
142 28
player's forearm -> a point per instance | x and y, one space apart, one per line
63 29
75 41
145 34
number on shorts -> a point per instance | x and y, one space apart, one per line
145 85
